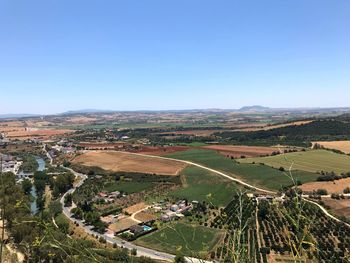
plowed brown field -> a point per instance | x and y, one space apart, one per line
128 162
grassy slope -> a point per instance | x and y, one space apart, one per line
312 161
259 175
182 238
203 185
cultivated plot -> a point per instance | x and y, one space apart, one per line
126 162
182 238
311 161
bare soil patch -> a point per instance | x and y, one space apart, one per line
343 146
339 207
134 208
128 162
336 186
238 151
145 217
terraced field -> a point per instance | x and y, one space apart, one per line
311 161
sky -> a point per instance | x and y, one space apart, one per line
59 55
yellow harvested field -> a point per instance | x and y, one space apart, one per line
270 127
128 162
36 133
336 186
343 146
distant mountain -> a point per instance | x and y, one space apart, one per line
85 111
18 115
254 108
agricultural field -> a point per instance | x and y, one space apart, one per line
274 126
182 238
238 150
343 146
336 186
311 161
24 133
255 174
324 239
127 162
202 185
339 207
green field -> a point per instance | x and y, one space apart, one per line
180 238
202 185
255 174
127 187
311 161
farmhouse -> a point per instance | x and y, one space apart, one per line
136 229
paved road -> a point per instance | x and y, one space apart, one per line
142 251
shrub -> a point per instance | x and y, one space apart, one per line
346 190
321 192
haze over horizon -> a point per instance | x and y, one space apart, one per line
155 55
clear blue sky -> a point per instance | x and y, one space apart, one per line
58 55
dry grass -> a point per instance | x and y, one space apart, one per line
128 162
343 146
270 127
336 186
27 133
145 217
122 224
134 208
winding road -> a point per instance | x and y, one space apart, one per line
142 251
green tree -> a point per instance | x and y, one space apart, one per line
68 200
77 213
26 186
179 259
55 208
346 190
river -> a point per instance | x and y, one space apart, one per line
41 167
